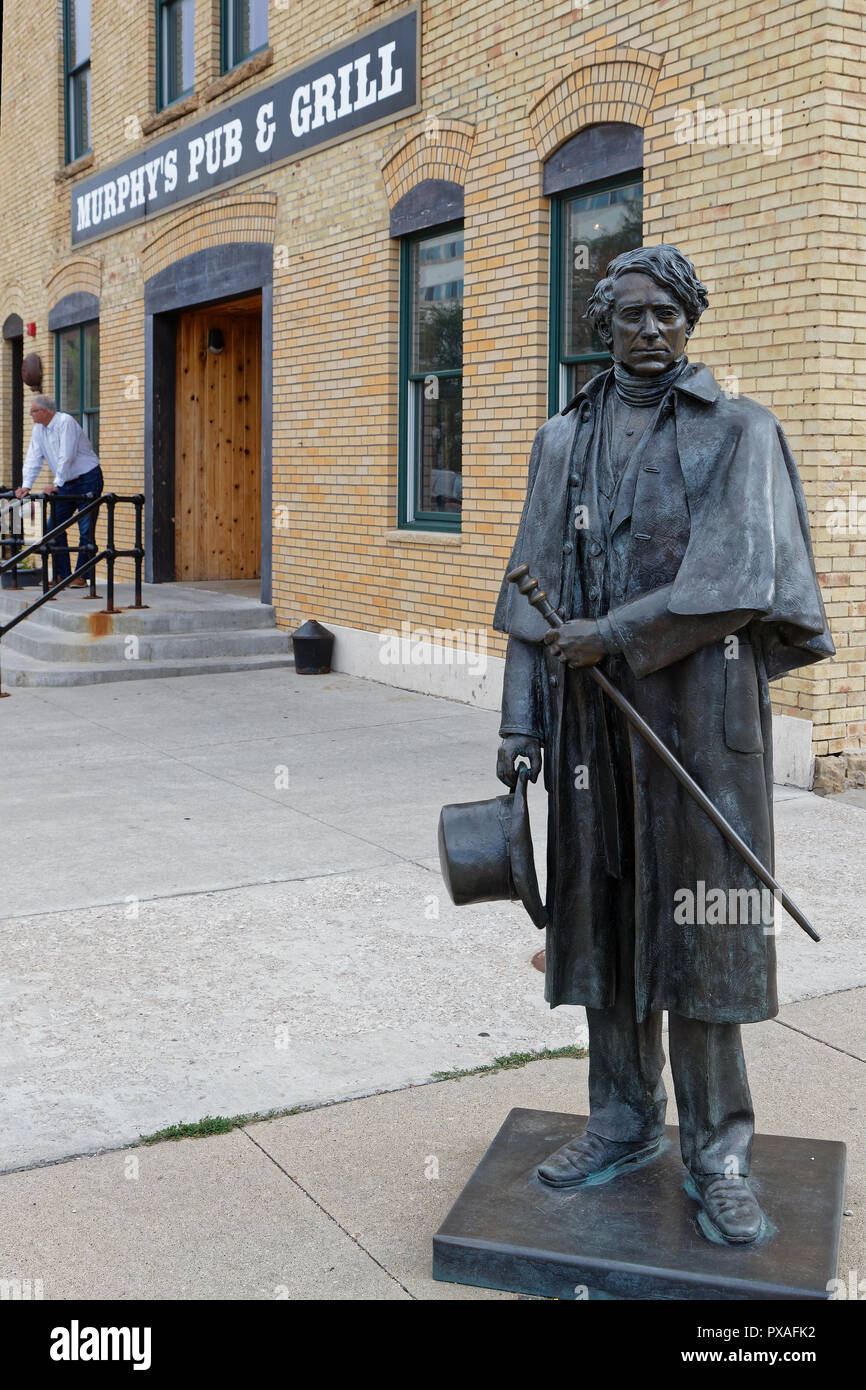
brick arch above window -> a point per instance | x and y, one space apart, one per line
609 85
12 298
219 222
436 150
76 275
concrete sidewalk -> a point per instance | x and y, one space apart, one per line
223 897
342 1202
226 899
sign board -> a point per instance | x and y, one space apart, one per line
364 83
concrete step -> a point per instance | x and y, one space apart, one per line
46 643
187 631
21 670
171 608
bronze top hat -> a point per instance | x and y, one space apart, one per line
485 851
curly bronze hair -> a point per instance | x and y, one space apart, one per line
667 266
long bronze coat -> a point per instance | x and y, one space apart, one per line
719 545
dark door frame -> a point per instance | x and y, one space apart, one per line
13 333
217 273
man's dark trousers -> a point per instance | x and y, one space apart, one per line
626 1092
64 509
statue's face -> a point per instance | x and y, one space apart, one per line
649 327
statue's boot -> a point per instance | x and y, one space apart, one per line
589 1160
730 1208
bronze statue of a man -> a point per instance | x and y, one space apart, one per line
666 522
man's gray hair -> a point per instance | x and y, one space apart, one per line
45 403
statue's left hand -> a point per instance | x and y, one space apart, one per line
578 643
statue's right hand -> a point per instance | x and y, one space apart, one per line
515 746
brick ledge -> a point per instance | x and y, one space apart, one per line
407 537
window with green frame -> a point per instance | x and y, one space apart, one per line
431 379
175 55
76 67
76 373
589 226
243 30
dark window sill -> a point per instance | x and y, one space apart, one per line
251 67
183 107
76 167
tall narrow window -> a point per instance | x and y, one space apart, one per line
244 30
175 28
76 53
77 376
589 227
431 386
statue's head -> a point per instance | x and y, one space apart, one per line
646 308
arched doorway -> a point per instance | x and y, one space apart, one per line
13 454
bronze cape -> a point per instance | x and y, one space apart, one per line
708 536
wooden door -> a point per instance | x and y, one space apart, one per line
217 477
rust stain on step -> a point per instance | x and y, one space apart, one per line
100 624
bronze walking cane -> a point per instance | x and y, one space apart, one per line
526 584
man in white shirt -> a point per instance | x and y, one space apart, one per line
59 441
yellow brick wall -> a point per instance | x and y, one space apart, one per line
777 236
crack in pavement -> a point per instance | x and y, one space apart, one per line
811 1036
331 1217
236 887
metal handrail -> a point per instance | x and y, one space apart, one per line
110 554
51 593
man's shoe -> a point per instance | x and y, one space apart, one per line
590 1160
79 584
730 1208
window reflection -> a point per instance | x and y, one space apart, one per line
178 50
599 226
435 384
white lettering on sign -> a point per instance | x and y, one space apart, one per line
300 112
112 198
313 103
136 187
265 127
196 155
218 148
323 100
212 148
152 168
367 91
344 73
232 132
391 82
329 98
